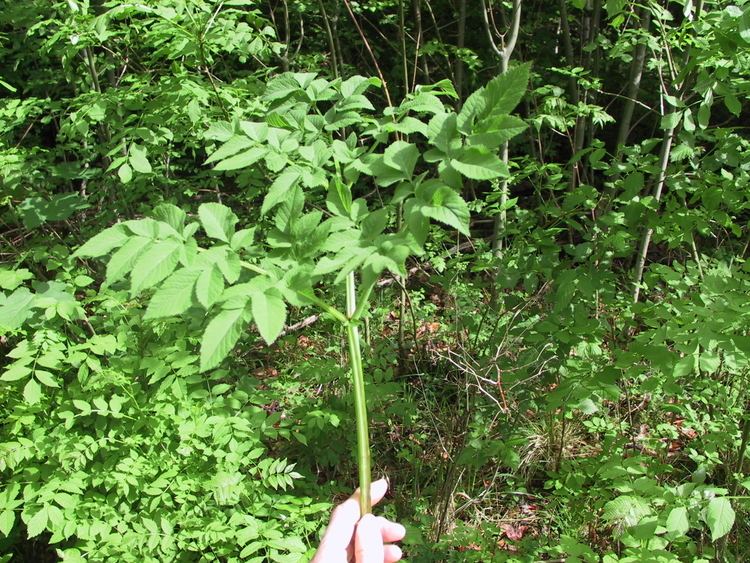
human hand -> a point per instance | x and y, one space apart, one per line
351 539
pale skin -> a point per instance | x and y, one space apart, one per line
351 539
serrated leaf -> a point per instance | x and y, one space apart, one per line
450 208
234 145
417 223
443 133
138 159
678 522
626 511
46 378
220 336
402 156
279 190
171 215
733 104
500 96
122 260
218 220
16 308
744 25
104 242
175 295
719 517
37 524
242 239
32 392
479 165
154 265
210 286
280 87
15 372
671 120
495 132
7 519
82 406
269 313
243 159
230 266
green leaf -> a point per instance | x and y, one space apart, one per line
243 159
417 223
495 132
122 260
175 296
11 279
687 121
745 25
242 239
32 392
15 372
480 165
46 378
269 313
671 120
229 264
125 172
719 517
16 308
678 523
733 104
218 220
220 337
339 200
443 133
500 96
234 145
154 265
7 519
82 406
450 208
210 286
37 524
279 190
626 511
402 156
171 215
292 544
281 87
104 242
138 160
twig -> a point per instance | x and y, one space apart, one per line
372 55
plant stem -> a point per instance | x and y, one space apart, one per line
360 404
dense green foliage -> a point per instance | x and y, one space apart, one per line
544 207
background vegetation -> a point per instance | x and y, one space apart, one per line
557 367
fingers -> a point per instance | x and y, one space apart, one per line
368 541
391 553
377 491
340 530
371 532
391 531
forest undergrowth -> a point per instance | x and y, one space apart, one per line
253 252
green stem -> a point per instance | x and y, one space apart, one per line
360 404
364 298
311 297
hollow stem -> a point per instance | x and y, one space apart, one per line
360 404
